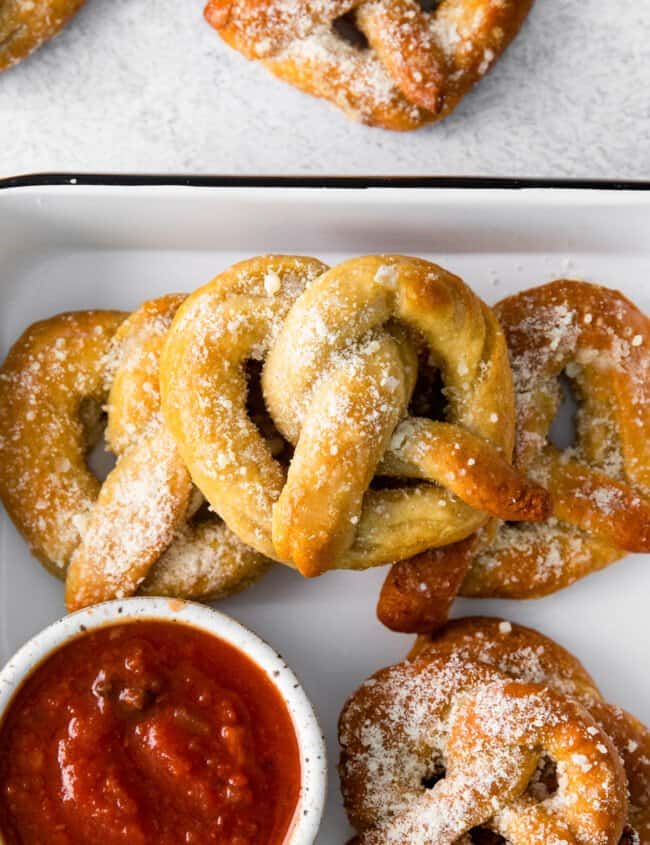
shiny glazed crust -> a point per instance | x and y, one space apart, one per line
416 67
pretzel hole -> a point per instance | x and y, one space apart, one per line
435 775
280 449
562 432
428 398
544 783
429 401
386 482
202 514
428 5
99 460
481 836
346 28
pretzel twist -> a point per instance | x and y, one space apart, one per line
481 738
130 533
417 64
601 485
340 349
51 392
527 655
25 26
140 535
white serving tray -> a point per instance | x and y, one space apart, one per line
111 246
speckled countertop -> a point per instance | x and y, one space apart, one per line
146 85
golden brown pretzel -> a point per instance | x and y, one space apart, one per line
418 593
601 486
24 26
139 535
340 351
414 69
439 746
527 655
51 393
131 533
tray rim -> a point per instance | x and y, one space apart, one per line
127 179
474 191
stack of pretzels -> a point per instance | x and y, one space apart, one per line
287 412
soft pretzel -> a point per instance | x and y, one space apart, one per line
600 487
436 747
340 350
24 26
131 533
137 536
412 67
529 656
51 393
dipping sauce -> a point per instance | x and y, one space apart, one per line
148 732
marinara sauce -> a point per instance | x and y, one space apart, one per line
148 732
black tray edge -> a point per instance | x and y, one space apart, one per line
357 182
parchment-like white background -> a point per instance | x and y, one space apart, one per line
146 85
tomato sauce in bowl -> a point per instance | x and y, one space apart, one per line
148 732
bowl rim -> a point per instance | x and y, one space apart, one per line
311 744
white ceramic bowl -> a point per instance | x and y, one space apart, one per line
309 810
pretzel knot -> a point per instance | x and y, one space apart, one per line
436 747
600 485
51 391
147 531
408 66
340 348
136 531
531 657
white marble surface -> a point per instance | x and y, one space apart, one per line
146 85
